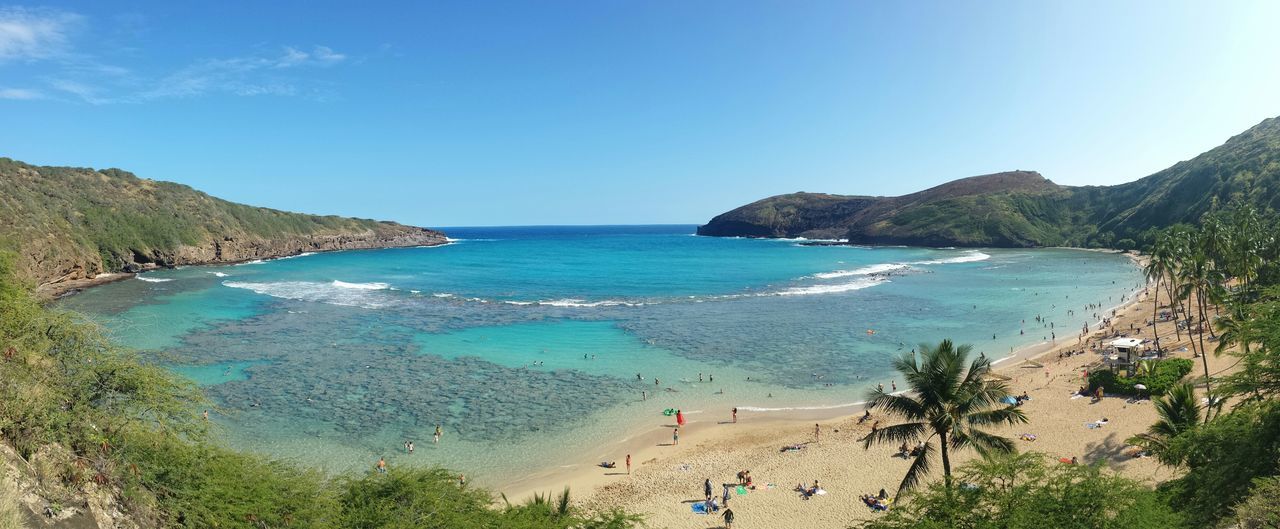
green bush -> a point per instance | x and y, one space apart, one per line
1030 491
1164 374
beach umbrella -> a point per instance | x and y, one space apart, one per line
1139 386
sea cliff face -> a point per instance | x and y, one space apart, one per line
72 227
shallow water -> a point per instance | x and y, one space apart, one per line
522 341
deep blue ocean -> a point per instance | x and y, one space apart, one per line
524 340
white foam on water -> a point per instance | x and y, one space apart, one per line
253 262
152 279
218 274
361 286
365 295
442 295
860 284
802 408
969 257
303 254
881 268
578 303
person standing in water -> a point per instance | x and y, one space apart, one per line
437 435
409 445
382 465
735 415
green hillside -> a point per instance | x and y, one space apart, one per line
1023 209
75 223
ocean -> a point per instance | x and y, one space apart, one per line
531 346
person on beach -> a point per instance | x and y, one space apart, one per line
675 437
382 466
679 418
817 432
644 395
725 496
865 417
728 518
706 488
628 464
735 415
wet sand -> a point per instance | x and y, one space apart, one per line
665 478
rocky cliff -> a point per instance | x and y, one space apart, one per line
70 226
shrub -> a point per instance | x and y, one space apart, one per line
1163 376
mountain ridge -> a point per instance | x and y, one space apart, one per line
76 226
1024 209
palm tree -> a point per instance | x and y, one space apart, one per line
1197 278
1158 268
950 398
1179 411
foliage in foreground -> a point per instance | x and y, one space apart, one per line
88 413
1223 458
1024 491
949 398
1164 374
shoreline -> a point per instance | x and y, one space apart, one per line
666 478
648 445
57 290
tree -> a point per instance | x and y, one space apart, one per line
1179 412
949 398
1023 492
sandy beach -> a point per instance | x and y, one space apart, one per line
665 479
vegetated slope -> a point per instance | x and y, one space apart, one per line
1024 209
75 223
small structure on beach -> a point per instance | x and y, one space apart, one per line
1125 352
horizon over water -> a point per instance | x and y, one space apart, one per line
525 342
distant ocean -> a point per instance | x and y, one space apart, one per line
529 340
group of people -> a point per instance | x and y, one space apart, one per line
809 492
879 502
906 452
713 504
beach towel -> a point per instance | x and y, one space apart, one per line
741 490
1009 400
699 508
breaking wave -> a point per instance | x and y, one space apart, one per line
365 295
881 268
969 257
152 279
361 286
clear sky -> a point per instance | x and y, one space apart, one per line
605 112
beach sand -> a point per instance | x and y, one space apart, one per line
667 479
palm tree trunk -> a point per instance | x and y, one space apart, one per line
1155 314
946 459
1204 355
1173 305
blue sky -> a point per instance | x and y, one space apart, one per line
592 112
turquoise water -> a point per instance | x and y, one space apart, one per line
530 340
